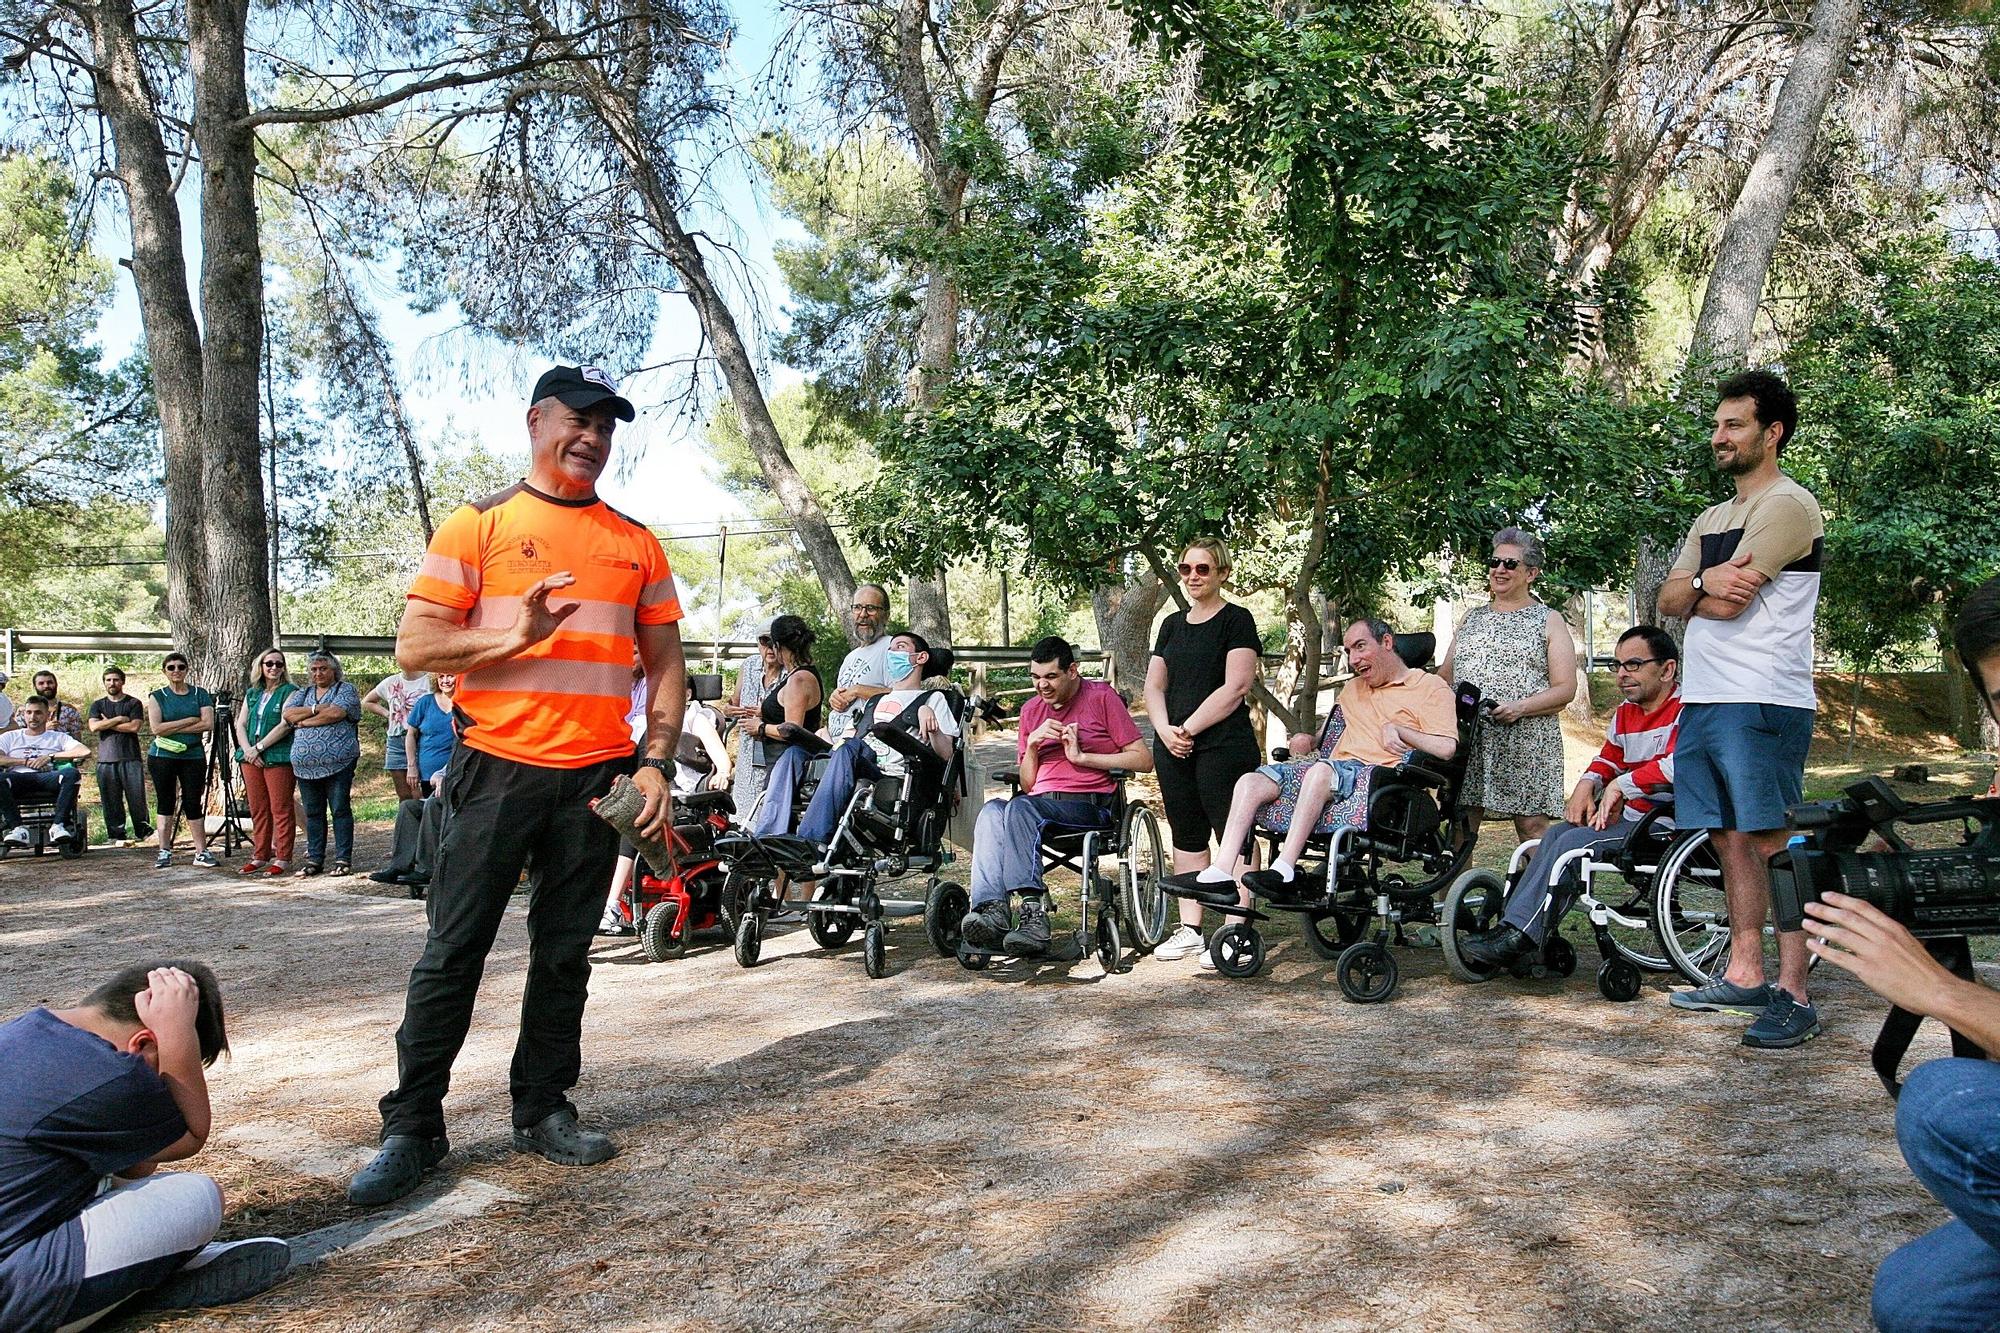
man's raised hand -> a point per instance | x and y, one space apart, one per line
537 620
169 1002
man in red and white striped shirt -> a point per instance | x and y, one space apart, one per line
1630 775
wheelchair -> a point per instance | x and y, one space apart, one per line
892 828
1132 906
38 816
666 910
1619 894
1387 868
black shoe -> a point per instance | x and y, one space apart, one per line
1499 947
1269 884
223 1274
398 1167
387 876
1032 935
560 1139
986 926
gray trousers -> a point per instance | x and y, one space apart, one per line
1535 904
1007 844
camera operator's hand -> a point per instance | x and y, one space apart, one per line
1858 936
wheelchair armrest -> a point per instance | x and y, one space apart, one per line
1663 808
904 743
699 802
1281 754
791 733
1410 773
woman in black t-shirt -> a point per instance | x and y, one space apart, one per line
1204 661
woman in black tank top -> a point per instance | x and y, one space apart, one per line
796 696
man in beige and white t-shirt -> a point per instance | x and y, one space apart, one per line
1747 579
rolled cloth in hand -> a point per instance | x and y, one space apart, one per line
620 808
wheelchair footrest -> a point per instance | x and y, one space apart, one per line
793 856
1063 948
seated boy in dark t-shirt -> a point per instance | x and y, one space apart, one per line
95 1098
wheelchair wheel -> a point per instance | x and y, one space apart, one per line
1367 972
1140 898
1110 949
1238 950
972 961
656 934
1619 979
945 905
1473 906
1559 956
749 939
830 930
875 951
1690 912
1328 936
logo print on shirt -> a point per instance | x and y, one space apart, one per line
533 558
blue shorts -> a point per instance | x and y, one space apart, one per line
395 759
1739 766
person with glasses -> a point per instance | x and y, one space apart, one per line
325 714
264 753
121 771
864 672
1520 654
180 716
1197 690
1632 774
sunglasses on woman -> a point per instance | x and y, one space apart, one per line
1201 567
278 662
1502 562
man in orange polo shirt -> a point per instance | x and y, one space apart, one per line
544 690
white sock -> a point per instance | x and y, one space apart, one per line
1282 869
1211 875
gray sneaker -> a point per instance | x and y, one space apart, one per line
1031 937
1784 1023
1723 996
223 1273
986 926
560 1139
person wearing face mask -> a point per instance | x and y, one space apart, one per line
907 704
115 1088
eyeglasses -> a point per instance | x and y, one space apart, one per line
1201 567
877 608
1634 663
274 661
177 666
1502 562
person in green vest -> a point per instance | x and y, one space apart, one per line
264 750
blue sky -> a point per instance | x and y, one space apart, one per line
669 483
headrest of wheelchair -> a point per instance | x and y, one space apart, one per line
1416 650
705 686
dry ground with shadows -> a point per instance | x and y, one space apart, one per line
1021 1149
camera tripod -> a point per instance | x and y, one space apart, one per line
222 770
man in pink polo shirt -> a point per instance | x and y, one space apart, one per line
1073 733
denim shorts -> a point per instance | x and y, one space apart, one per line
395 759
1739 766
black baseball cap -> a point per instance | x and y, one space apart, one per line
581 387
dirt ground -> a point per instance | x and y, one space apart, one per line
1022 1148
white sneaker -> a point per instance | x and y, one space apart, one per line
18 836
1183 943
57 833
1208 958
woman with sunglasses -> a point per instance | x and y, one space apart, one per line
1520 654
264 751
326 745
180 716
1197 683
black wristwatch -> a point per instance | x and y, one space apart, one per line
664 767
1696 585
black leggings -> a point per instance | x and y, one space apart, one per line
188 773
1196 790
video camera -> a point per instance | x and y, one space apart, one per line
1934 892
1942 895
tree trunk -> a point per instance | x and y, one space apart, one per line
1125 628
930 609
1743 259
1649 573
657 193
166 309
232 308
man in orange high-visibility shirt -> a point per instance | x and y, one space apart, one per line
544 691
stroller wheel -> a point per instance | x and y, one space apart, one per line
829 930
875 951
656 934
1367 973
749 939
945 905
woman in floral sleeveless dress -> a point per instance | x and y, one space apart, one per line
1520 655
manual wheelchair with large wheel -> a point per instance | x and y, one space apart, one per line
892 828
1620 893
1379 855
1127 909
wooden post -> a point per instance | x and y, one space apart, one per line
721 577
1006 628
